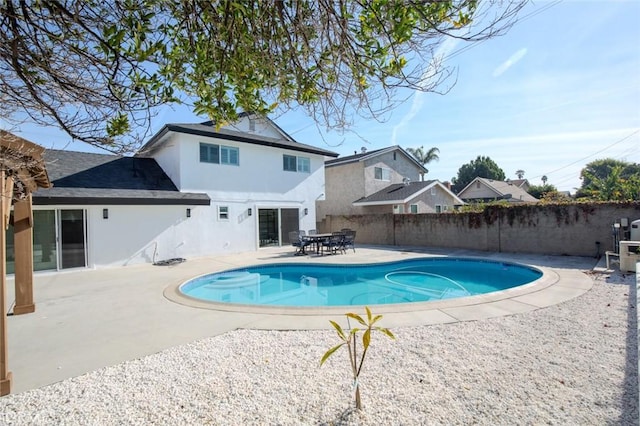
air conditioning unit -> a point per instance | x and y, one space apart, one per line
629 255
635 230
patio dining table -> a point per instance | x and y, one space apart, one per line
317 239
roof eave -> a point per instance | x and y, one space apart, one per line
119 201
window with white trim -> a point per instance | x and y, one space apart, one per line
413 208
438 208
380 173
219 154
223 213
292 163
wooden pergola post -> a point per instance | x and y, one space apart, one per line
23 244
22 171
6 194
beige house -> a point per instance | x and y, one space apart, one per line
411 197
485 190
382 181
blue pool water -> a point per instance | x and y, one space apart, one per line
414 280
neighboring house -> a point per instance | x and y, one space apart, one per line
484 190
385 180
411 197
520 183
192 190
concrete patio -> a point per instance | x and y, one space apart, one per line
89 319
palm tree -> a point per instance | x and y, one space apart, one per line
424 157
520 173
544 179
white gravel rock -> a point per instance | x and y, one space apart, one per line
574 363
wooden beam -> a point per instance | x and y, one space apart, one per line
5 199
23 243
5 374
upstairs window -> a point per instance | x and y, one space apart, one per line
304 165
209 153
229 155
219 154
291 163
382 174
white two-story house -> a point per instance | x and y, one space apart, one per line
192 190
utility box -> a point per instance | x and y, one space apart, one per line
635 230
629 255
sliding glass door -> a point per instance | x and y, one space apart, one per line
290 222
268 227
59 240
72 239
274 225
45 249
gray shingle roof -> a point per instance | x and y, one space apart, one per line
208 129
504 190
353 158
371 154
87 178
397 192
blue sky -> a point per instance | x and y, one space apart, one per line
560 89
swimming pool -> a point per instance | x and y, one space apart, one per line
322 285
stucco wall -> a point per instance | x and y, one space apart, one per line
399 165
343 185
259 181
546 229
432 197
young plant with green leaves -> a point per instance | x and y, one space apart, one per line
350 340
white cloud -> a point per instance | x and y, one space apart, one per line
514 59
443 51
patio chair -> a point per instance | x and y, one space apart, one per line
349 240
333 243
296 240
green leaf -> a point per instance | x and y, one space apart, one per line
338 330
330 352
375 319
366 308
366 339
387 332
357 318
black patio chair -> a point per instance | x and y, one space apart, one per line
297 241
333 243
349 240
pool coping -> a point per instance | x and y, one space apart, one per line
555 286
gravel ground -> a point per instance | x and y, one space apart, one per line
574 363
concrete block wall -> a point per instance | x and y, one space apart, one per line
571 229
